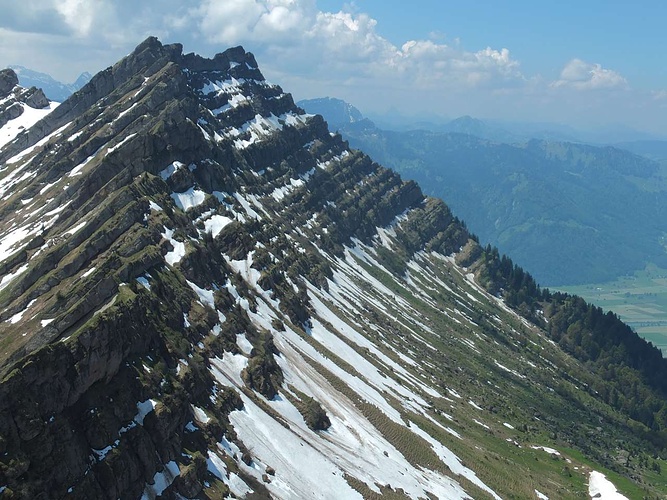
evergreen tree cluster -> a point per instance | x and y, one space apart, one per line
633 370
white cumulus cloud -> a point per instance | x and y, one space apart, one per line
79 14
582 75
289 37
346 46
266 21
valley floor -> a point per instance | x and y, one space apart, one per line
640 300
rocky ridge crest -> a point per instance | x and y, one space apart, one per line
13 97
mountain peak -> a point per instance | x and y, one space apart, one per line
8 80
206 293
151 51
467 120
150 63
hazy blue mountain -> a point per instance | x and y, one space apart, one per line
52 88
338 112
510 131
654 149
473 126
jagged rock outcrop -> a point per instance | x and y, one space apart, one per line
11 93
8 80
13 99
205 292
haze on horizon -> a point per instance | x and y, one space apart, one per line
593 64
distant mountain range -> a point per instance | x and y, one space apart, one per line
495 130
572 213
52 88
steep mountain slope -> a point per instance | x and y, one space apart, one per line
52 88
571 213
205 292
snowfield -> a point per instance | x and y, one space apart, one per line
24 121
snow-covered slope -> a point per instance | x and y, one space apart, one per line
20 108
205 292
28 117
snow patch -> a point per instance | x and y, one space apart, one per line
24 121
88 272
76 228
216 224
189 199
602 488
154 206
143 409
161 481
244 344
475 405
178 252
200 414
205 296
7 279
171 169
117 146
550 451
144 282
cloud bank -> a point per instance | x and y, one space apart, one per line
581 75
349 44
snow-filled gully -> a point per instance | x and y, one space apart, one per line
352 445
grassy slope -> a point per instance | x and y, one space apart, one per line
529 405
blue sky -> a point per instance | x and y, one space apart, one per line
586 63
541 34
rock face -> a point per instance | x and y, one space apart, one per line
8 80
14 99
205 292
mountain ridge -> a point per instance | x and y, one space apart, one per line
555 207
203 273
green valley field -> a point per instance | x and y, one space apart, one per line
639 299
